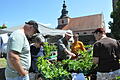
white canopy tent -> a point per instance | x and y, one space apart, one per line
43 30
9 30
50 31
3 43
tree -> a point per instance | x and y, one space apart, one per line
0 27
115 25
3 26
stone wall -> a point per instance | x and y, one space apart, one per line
87 39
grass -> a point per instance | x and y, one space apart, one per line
3 62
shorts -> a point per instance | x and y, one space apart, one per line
26 77
108 76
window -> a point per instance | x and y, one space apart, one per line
62 21
85 33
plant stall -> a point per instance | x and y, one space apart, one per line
56 70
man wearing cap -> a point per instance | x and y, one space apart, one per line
18 52
64 47
105 54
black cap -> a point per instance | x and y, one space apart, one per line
34 23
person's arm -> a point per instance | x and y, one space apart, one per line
63 48
97 50
14 60
95 60
69 53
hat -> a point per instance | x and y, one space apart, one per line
99 30
69 34
34 23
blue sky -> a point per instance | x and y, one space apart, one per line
16 12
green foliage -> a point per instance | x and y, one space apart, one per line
3 62
55 70
114 26
50 71
48 48
89 47
118 78
0 27
82 64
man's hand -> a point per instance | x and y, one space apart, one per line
23 73
95 60
14 60
69 53
72 54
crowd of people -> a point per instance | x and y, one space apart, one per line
22 55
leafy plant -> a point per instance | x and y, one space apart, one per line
118 78
48 48
82 64
55 70
52 72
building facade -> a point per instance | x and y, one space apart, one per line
84 25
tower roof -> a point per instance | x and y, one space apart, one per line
64 12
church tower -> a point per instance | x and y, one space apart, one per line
64 19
